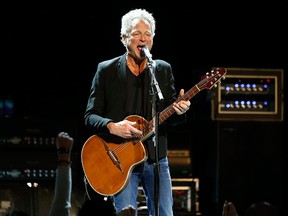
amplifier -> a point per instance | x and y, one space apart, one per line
27 165
249 94
185 195
180 163
27 174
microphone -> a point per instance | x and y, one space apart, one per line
145 51
152 64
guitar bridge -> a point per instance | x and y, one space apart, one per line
115 160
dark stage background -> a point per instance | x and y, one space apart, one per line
49 56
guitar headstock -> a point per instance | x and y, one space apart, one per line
211 78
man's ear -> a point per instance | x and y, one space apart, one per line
124 40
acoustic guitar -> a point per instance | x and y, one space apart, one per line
108 161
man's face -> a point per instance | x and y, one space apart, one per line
139 36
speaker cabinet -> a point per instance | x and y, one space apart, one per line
249 165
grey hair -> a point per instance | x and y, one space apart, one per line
134 14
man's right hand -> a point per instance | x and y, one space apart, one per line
124 129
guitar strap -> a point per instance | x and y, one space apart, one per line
86 188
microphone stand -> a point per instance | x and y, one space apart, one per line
155 115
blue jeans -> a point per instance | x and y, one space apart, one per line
145 175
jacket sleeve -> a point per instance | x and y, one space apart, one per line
93 116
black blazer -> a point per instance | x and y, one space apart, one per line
107 98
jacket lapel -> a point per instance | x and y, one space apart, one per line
121 70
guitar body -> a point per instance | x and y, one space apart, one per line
100 156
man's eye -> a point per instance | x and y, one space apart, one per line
135 34
139 34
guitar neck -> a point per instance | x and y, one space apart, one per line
168 111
